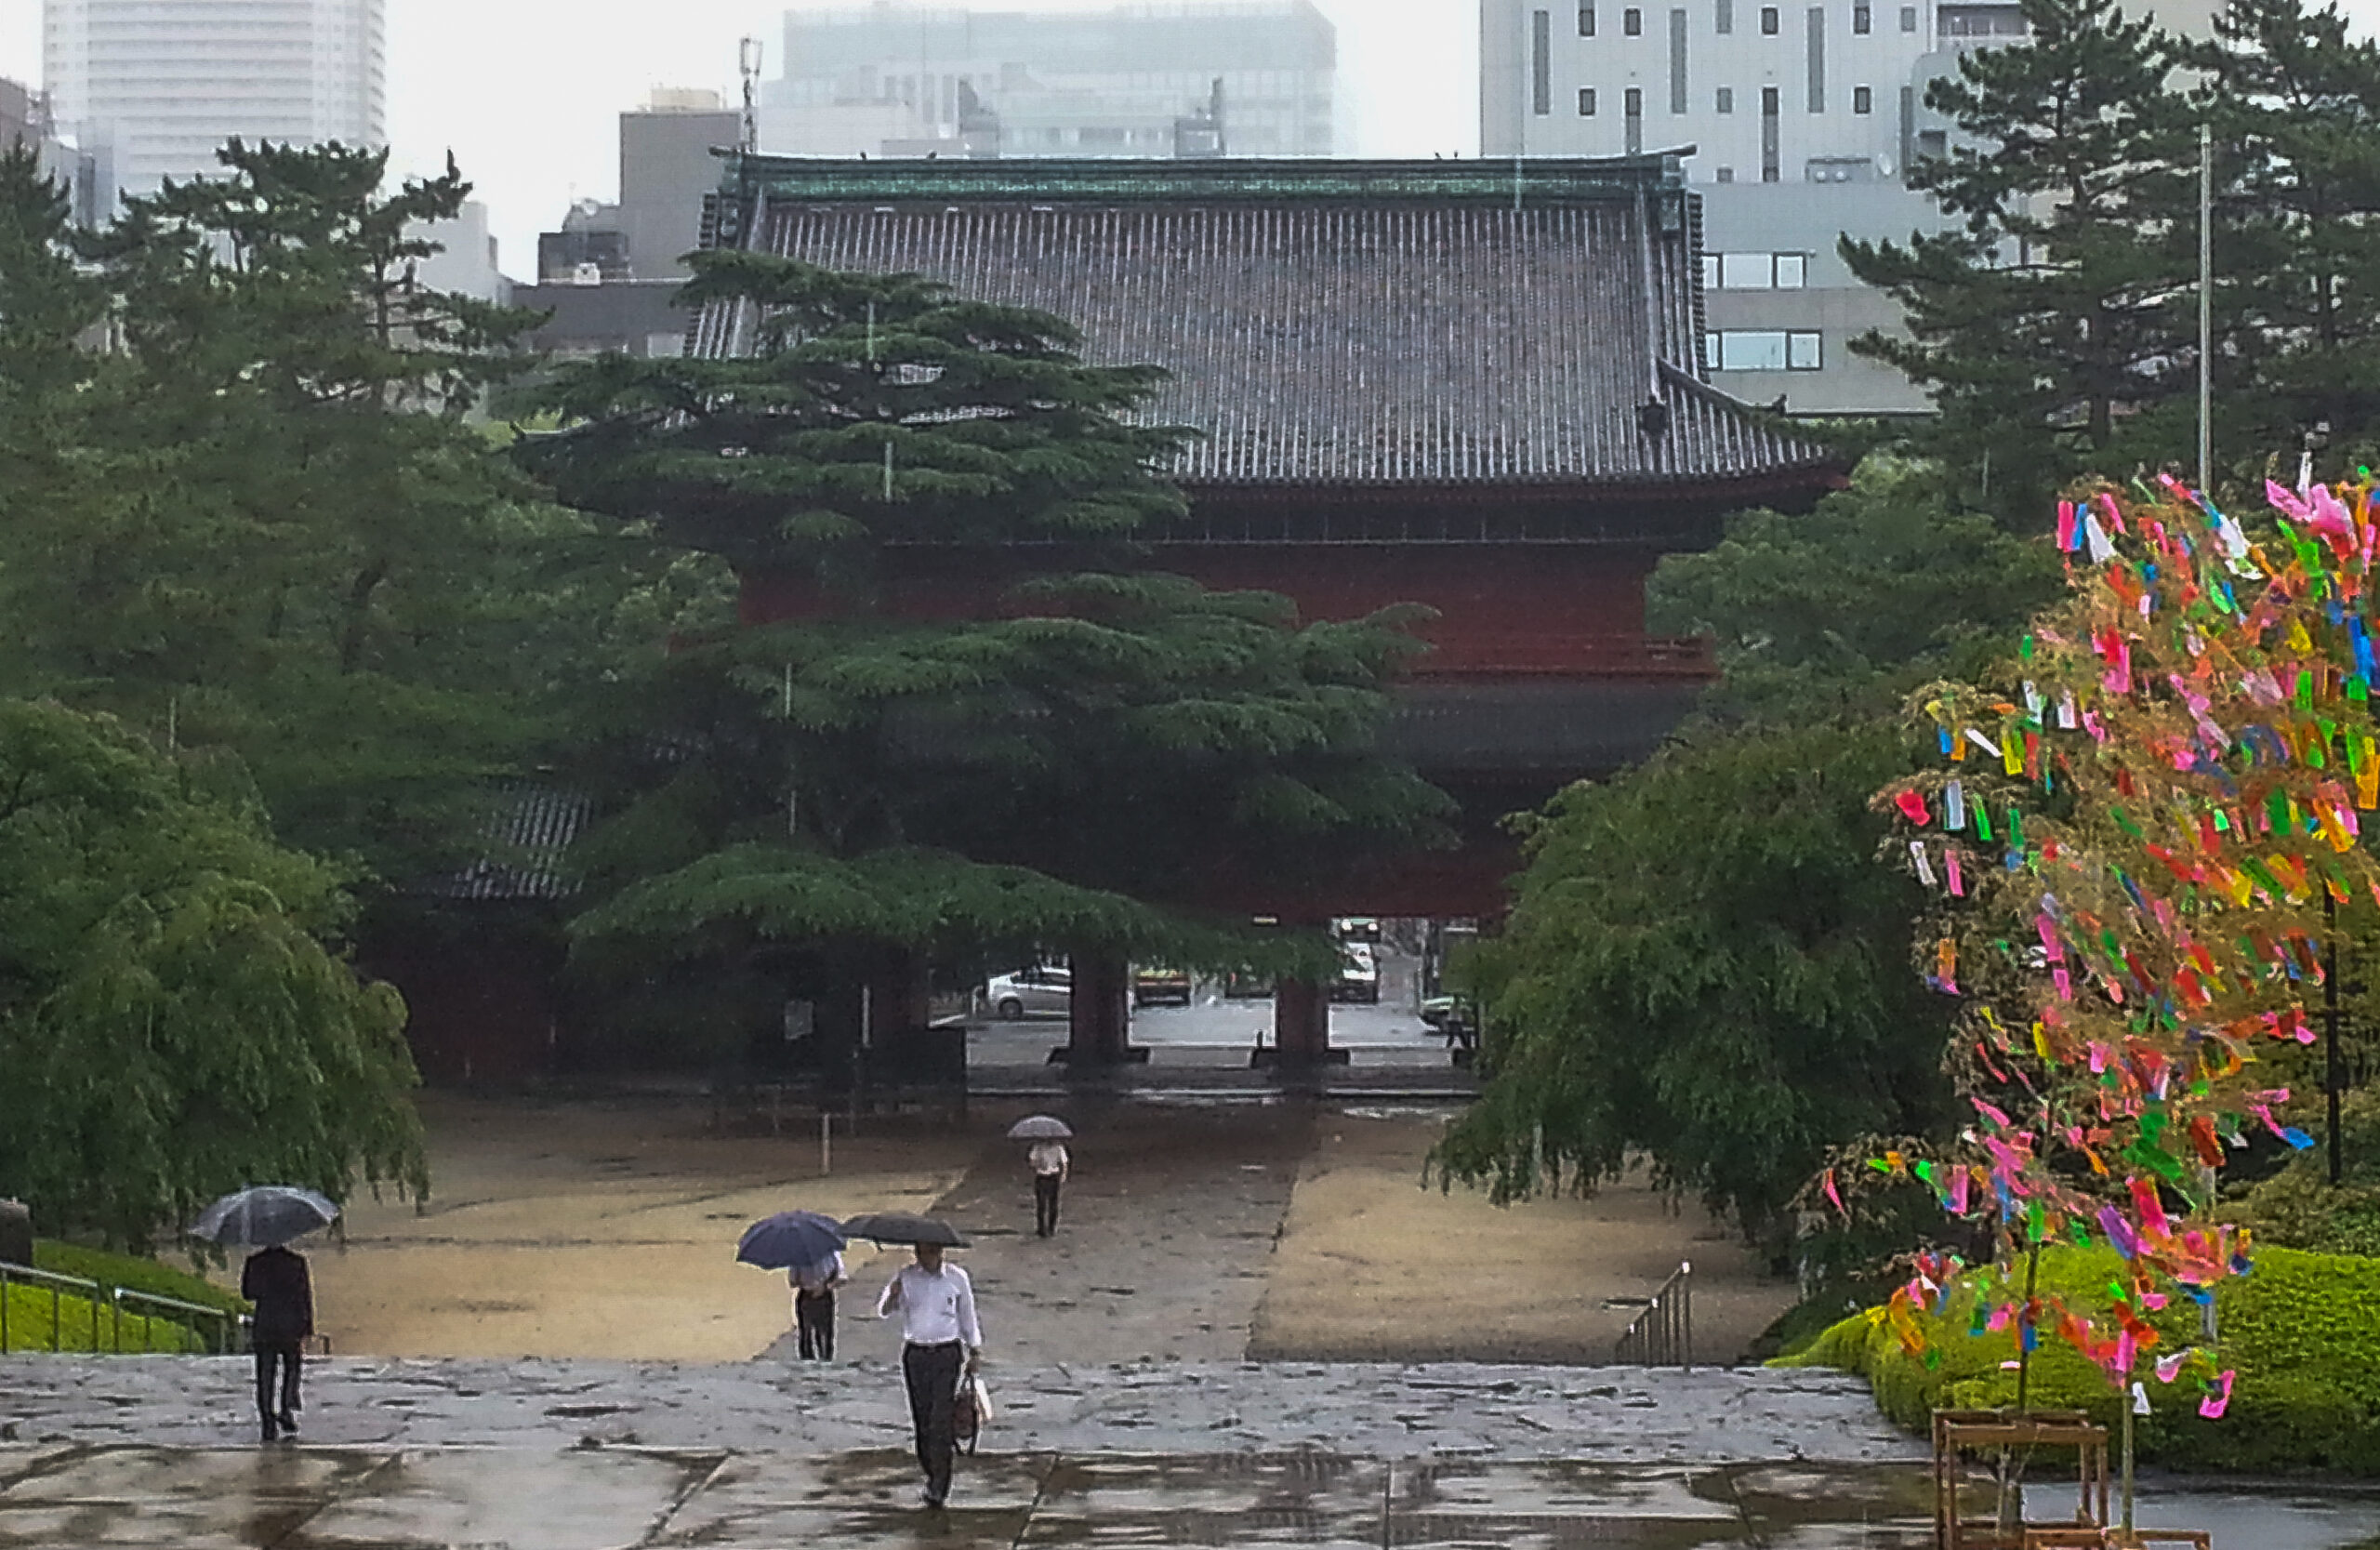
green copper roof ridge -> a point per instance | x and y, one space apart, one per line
1503 179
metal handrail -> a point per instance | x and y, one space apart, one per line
1662 1336
229 1326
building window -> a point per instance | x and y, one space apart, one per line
1863 21
1586 21
1754 271
1726 175
1540 63
1633 107
1909 19
1768 21
1862 100
1769 135
1586 101
1726 99
1723 17
1814 96
1632 21
1677 61
1763 349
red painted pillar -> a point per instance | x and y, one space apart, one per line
1099 1013
1302 1024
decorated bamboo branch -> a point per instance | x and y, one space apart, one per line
2133 840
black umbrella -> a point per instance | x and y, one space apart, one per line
789 1240
262 1216
902 1227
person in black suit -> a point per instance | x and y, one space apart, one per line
275 1280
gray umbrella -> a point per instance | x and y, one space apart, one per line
263 1215
1040 1127
901 1227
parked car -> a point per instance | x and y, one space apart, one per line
1357 928
1154 985
1358 973
1044 992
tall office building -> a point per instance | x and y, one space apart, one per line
1804 118
163 83
1201 77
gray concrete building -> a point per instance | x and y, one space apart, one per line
1802 119
665 163
1202 77
86 175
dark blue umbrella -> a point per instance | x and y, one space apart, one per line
262 1216
789 1240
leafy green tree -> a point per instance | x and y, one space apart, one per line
176 1017
1703 967
1844 610
2057 318
2294 103
261 519
886 460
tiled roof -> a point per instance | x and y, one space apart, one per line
1341 323
529 834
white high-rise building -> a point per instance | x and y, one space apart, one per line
165 83
1803 118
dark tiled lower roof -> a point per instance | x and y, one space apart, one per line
1426 339
528 835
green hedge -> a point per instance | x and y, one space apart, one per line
2301 1330
133 1273
30 1328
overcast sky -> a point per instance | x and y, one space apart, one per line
525 92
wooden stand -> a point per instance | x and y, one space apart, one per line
1959 1433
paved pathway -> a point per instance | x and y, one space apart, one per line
615 1456
1605 1415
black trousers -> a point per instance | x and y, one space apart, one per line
931 1372
283 1354
813 1318
1045 1203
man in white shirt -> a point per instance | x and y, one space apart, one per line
813 1305
1051 1166
941 1343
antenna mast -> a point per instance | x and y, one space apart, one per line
747 59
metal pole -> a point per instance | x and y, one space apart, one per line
2335 1074
2205 301
825 1142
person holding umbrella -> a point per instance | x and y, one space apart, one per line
942 1343
1051 1165
806 1246
277 1282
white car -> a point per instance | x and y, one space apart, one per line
1037 992
1358 973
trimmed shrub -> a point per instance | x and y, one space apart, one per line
2302 1331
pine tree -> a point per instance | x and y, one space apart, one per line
2294 103
2053 323
888 767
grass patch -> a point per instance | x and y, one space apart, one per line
36 1323
2301 1330
134 1274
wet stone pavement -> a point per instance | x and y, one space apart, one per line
592 1456
315 1498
